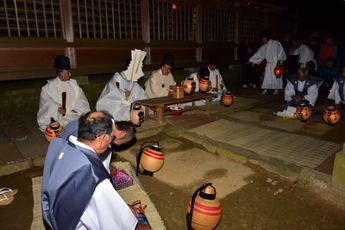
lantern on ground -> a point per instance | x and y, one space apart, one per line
150 158
303 111
204 84
204 210
189 84
227 99
53 130
331 115
137 115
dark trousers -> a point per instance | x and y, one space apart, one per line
249 75
293 103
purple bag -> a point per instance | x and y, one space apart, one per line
121 179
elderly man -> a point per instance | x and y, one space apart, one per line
51 99
77 191
158 85
273 52
124 132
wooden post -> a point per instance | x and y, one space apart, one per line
236 31
70 53
198 32
145 28
67 20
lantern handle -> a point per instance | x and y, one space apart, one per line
142 147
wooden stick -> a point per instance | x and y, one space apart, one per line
217 81
63 95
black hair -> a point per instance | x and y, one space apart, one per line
92 127
298 39
204 71
311 65
61 63
168 59
265 34
213 61
128 127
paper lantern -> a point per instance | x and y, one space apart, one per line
53 130
227 99
303 112
189 84
150 159
278 71
331 115
137 115
204 84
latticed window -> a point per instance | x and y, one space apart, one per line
115 19
170 21
217 25
251 23
30 18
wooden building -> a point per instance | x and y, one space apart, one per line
98 34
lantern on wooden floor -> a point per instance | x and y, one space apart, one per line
331 115
227 98
204 84
137 114
303 111
204 210
53 130
150 158
189 84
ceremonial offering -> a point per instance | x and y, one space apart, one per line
331 115
204 210
189 84
177 111
121 179
177 91
137 115
303 112
204 84
53 130
227 99
150 158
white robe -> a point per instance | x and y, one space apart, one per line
312 92
213 78
273 52
334 94
106 209
158 85
51 100
113 99
305 54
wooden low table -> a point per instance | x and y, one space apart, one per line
160 109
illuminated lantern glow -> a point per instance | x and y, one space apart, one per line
53 130
152 159
137 115
204 84
303 112
227 99
174 6
278 71
331 115
204 211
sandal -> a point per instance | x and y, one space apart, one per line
7 196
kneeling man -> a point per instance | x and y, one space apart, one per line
337 93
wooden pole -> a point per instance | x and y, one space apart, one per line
66 9
145 28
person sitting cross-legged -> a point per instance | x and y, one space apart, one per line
337 92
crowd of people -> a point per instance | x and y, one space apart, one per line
315 68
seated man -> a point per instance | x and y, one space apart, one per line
124 132
337 93
216 79
298 89
158 84
51 104
118 95
77 191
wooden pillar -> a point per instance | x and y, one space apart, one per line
236 31
67 20
70 53
198 31
145 28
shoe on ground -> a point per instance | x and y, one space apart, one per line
276 91
264 92
254 86
245 86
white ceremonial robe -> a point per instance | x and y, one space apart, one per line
214 74
305 55
106 209
51 100
113 99
312 92
334 94
273 52
158 85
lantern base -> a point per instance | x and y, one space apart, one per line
148 173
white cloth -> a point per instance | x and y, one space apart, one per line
106 209
158 85
312 92
214 74
51 100
305 54
334 93
273 52
113 99
289 112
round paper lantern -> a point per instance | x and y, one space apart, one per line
204 210
189 84
204 84
137 115
278 71
303 112
152 159
227 99
53 130
331 115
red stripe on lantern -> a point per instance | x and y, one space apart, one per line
158 158
217 208
154 153
206 213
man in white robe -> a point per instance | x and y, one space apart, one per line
300 88
50 105
337 93
273 52
77 191
158 84
118 95
304 53
216 79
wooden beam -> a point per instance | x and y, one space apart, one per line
66 10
